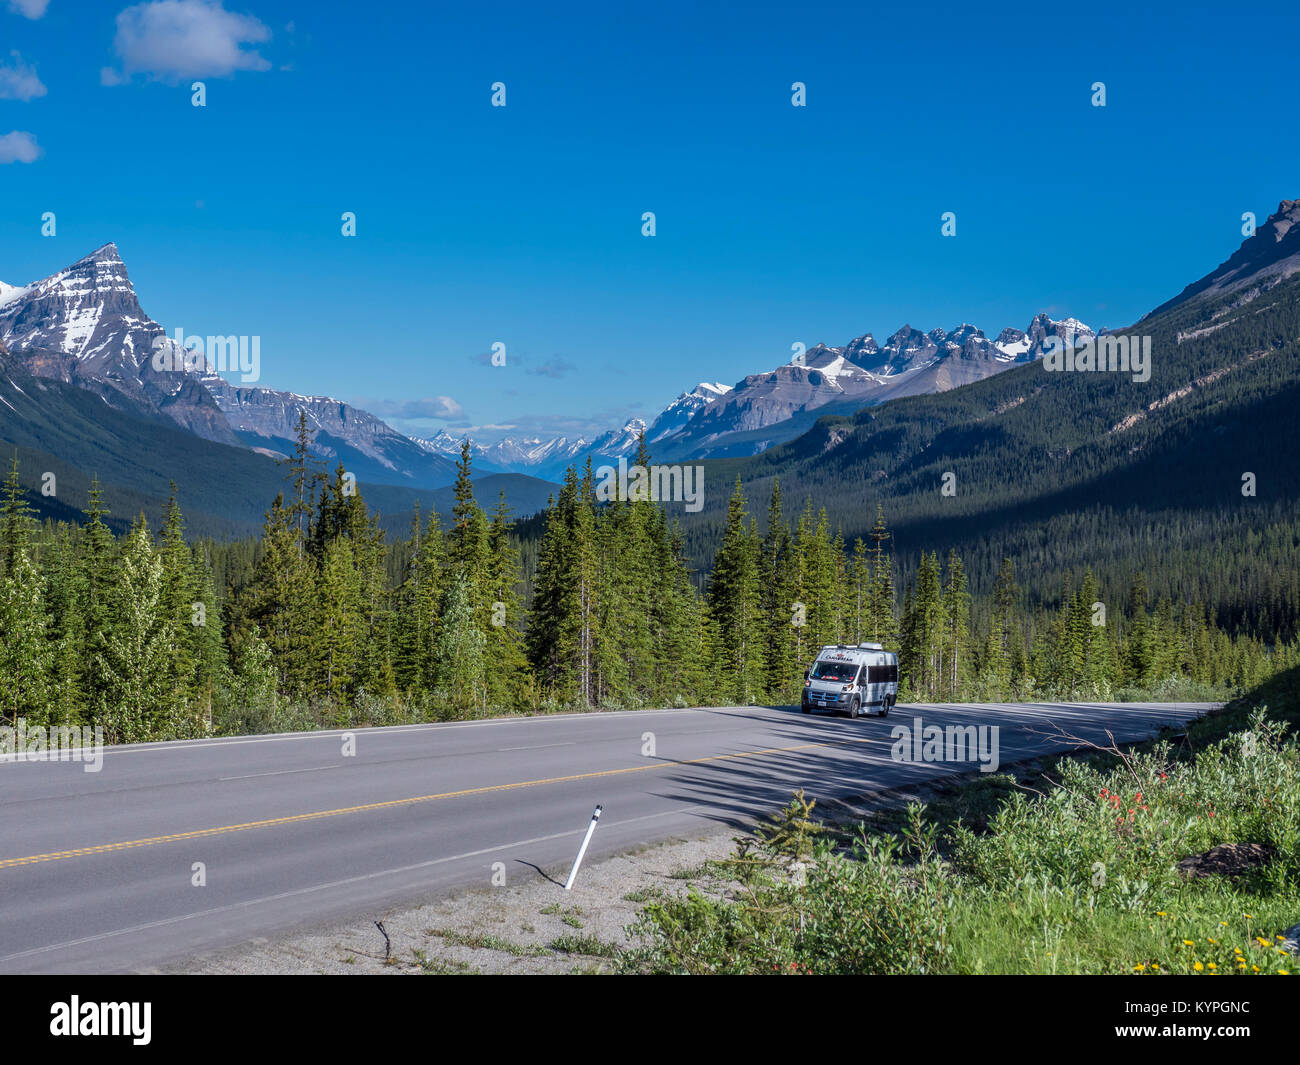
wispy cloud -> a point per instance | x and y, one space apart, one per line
167 40
556 367
18 81
19 147
29 8
440 408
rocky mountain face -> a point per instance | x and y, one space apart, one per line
673 418
267 420
768 408
1266 258
84 326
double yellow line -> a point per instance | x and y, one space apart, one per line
150 841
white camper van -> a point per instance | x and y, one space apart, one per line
859 678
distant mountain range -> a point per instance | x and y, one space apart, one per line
715 420
1187 477
84 326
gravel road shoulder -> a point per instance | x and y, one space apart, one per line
527 926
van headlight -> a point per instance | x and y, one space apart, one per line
848 687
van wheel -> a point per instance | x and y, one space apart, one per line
884 707
854 707
805 708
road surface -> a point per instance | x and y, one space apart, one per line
98 870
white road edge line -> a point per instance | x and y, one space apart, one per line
536 746
321 887
281 772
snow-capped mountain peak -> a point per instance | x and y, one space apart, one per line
9 293
673 418
88 310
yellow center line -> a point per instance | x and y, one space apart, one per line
102 848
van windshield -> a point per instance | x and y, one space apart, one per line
843 672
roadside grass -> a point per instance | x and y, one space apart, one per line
1066 866
591 946
696 872
441 966
487 941
1044 931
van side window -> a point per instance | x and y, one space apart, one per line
882 674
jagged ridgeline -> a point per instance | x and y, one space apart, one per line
1189 478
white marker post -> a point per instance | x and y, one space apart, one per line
573 873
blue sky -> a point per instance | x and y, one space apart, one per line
522 224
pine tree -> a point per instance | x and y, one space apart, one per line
254 701
460 651
136 701
860 585
467 537
26 655
679 622
813 544
306 474
66 630
507 665
1139 651
15 536
777 576
1088 639
921 650
956 610
177 599
341 623
281 602
735 607
882 622
208 647
97 559
622 634
418 601
998 656
563 627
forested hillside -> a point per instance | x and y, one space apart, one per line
1059 471
323 622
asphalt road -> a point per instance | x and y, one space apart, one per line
97 869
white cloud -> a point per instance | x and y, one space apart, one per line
29 8
440 407
19 147
19 82
168 40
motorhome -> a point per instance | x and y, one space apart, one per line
860 678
